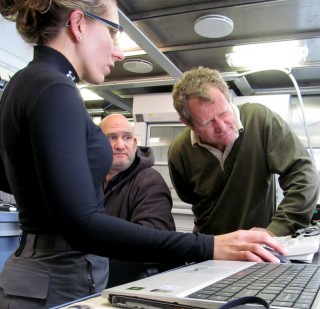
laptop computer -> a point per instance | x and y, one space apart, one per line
211 284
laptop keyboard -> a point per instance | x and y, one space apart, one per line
282 285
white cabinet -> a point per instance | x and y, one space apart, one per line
159 136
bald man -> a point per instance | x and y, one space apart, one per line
134 191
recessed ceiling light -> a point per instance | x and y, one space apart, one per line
268 55
138 66
213 26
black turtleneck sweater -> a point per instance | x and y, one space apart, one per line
55 160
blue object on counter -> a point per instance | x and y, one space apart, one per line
9 235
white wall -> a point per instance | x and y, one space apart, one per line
154 108
279 103
15 53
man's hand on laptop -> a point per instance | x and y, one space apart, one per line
246 245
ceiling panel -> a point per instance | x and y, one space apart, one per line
165 29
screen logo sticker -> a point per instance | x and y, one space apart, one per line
135 288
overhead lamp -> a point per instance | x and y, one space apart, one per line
89 95
130 47
213 26
268 56
126 43
138 66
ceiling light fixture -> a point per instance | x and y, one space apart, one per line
267 56
129 47
134 53
126 43
89 95
138 66
213 26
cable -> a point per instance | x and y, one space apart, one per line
246 300
295 84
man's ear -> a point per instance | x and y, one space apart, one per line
135 141
76 24
185 123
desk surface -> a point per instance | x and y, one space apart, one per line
96 302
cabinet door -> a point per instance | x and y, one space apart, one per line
159 137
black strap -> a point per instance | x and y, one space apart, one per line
246 300
22 245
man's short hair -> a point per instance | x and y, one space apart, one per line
195 83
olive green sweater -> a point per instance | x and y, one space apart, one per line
242 194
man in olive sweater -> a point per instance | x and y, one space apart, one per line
224 163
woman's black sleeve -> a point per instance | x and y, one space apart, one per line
59 141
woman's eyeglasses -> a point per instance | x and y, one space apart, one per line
114 29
